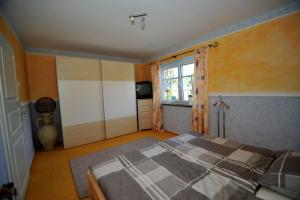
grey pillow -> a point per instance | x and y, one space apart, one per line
284 175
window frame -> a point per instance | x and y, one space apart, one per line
179 65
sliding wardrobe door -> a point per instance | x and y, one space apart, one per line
81 100
119 98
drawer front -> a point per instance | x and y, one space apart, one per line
145 126
145 120
145 102
145 114
145 108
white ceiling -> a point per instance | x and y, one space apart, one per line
102 26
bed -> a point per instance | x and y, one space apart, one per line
183 167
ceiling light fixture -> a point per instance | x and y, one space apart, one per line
143 19
132 20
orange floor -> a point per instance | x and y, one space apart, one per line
50 175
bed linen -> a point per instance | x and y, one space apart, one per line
284 175
266 193
185 167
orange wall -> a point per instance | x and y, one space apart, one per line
261 58
41 70
19 59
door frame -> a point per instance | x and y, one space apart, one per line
4 137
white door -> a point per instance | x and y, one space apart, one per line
12 120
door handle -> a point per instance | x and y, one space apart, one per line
8 191
20 114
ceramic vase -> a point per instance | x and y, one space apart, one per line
47 133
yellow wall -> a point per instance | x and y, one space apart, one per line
19 59
262 58
42 79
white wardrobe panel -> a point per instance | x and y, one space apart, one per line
90 95
119 98
81 100
115 107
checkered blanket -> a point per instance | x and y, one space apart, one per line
184 167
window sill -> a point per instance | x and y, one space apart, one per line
176 104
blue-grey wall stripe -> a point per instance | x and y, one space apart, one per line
263 120
28 138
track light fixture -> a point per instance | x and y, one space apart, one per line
143 19
132 20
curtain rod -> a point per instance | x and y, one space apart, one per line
214 44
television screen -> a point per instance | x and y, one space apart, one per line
143 90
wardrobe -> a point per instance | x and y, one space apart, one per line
97 99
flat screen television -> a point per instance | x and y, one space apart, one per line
143 90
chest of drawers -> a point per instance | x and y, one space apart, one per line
144 113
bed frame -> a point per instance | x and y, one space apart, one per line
94 188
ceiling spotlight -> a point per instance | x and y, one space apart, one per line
132 19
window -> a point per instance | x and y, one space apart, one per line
177 81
